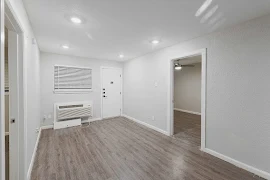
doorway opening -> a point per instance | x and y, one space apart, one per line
187 89
187 99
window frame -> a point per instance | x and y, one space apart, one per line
72 91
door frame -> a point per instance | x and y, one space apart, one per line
11 21
13 60
2 92
101 91
203 53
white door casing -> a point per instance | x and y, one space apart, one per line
111 92
13 104
2 109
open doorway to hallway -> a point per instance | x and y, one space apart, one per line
187 104
187 99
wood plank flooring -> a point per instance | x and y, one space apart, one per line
118 148
7 156
187 127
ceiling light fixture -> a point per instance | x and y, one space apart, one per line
155 41
121 55
205 5
178 68
65 46
75 20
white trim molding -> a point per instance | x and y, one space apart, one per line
34 155
186 111
239 164
47 127
2 93
147 125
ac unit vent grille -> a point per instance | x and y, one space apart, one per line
74 113
70 106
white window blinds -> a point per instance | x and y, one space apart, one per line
72 78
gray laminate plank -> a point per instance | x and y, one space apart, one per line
119 149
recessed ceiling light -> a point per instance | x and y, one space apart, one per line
75 20
178 68
121 55
65 46
155 41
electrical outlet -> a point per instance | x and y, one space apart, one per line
153 118
44 119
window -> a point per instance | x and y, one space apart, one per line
72 79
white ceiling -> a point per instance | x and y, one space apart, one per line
126 26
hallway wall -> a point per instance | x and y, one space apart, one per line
187 88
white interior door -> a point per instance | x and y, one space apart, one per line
13 105
111 92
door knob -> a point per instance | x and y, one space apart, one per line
12 121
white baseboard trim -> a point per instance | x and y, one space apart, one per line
239 164
186 111
147 125
46 127
91 120
33 156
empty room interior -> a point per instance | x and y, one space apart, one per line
129 90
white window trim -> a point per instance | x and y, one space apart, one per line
73 91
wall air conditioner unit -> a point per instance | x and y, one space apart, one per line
71 114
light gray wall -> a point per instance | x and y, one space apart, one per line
48 98
33 96
237 93
187 88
